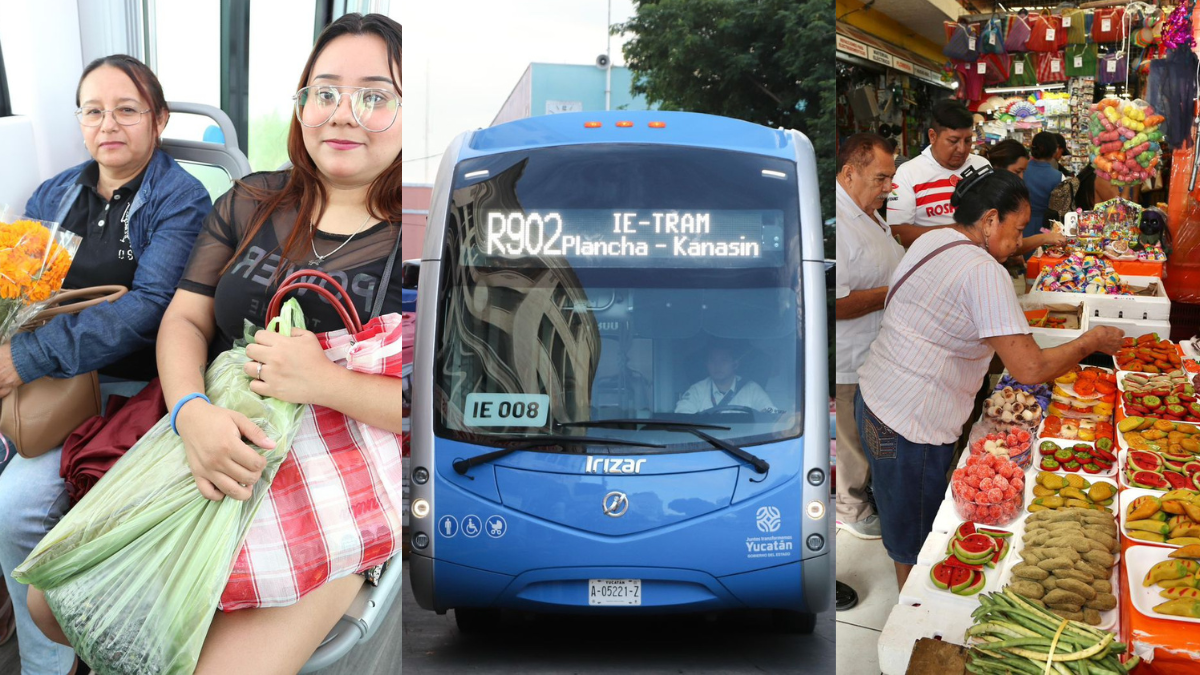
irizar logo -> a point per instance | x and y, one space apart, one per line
616 465
769 519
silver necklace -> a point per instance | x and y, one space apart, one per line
313 242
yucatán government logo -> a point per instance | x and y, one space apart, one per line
769 519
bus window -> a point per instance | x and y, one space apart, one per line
281 37
623 282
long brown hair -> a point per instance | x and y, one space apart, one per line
304 189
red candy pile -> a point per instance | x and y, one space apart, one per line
989 489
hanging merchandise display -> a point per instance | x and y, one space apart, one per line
1081 60
1022 73
1074 22
1046 33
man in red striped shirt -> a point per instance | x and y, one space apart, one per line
920 199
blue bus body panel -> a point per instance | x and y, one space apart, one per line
529 530
689 129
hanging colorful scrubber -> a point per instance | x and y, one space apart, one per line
1178 30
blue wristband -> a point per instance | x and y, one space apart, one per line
179 406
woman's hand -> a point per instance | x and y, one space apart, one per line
220 460
9 380
293 369
1053 239
1106 338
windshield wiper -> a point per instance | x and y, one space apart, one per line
462 466
760 465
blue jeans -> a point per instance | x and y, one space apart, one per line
909 482
33 497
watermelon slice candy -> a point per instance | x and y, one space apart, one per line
1142 460
977 583
1177 480
1191 468
955 562
995 534
941 575
962 580
966 529
975 549
1149 479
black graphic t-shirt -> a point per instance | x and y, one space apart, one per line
245 290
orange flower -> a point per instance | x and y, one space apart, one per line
32 264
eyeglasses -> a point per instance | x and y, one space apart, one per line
374 109
94 117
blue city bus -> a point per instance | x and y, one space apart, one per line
620 398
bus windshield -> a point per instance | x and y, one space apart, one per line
607 282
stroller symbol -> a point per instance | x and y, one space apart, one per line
496 527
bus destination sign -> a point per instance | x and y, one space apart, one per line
631 234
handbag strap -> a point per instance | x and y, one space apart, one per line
922 261
75 301
343 305
386 280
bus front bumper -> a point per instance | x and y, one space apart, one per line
805 586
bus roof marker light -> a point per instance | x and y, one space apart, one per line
773 174
657 125
420 508
476 174
816 509
592 125
625 125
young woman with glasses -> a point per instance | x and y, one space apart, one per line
138 213
338 210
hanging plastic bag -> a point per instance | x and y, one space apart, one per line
1051 67
1045 33
1108 25
994 68
1081 61
133 573
1074 22
1017 34
962 41
992 38
1113 68
1022 73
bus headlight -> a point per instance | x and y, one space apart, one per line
816 477
816 509
421 540
420 475
815 542
420 508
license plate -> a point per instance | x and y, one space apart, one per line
622 592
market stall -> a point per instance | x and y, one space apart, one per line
1069 538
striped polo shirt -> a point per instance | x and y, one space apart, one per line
921 191
930 357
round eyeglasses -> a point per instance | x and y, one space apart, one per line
374 109
94 117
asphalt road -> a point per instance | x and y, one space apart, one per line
556 644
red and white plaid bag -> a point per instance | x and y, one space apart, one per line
334 508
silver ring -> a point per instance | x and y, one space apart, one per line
242 484
258 376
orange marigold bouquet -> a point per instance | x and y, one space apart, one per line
34 258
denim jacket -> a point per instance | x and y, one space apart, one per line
164 219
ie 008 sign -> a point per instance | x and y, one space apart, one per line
506 410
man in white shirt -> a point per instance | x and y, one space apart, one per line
867 255
723 386
920 199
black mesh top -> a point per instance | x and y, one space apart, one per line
245 289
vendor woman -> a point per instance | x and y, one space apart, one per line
950 308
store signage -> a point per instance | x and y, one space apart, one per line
862 50
852 47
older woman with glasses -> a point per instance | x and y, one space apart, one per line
138 213
338 209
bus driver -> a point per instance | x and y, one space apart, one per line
723 387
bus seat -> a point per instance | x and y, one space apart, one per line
216 165
360 623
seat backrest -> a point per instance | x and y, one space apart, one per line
216 165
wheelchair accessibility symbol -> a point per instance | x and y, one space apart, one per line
472 526
448 526
496 527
